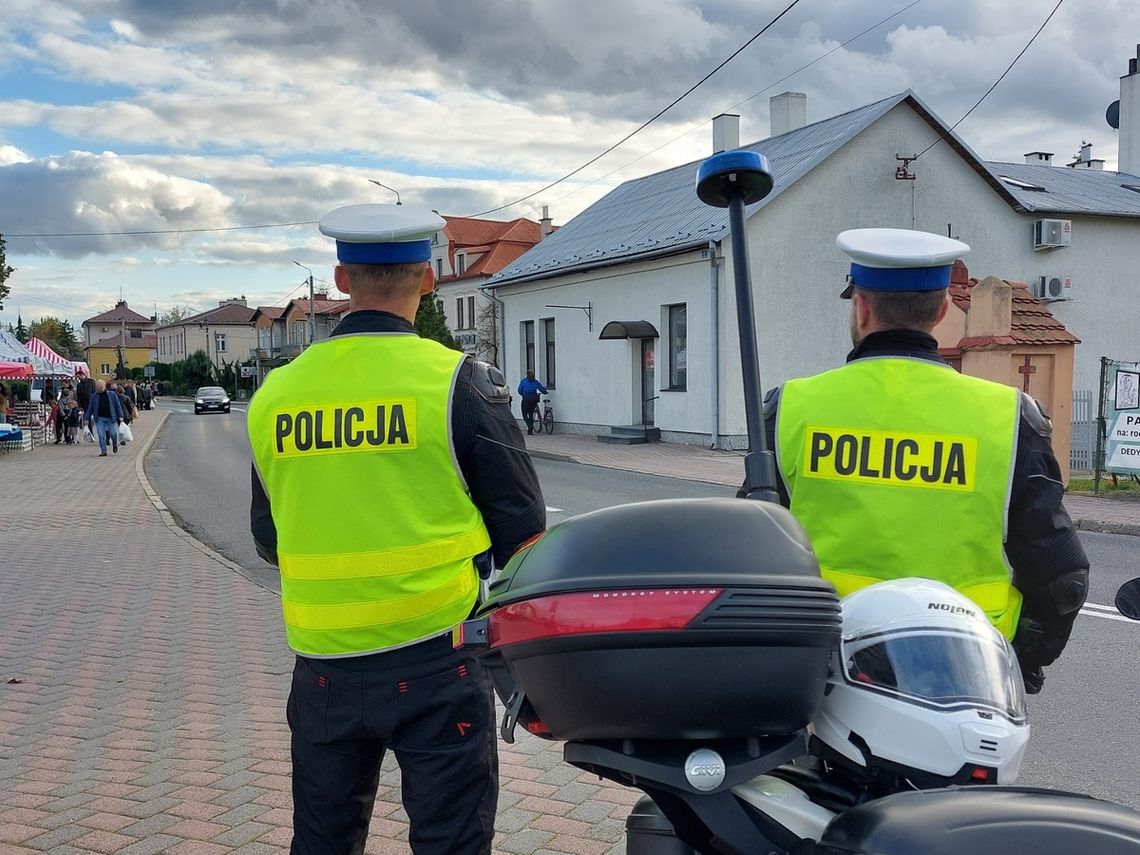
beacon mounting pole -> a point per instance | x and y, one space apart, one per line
733 179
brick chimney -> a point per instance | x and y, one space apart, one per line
787 111
726 132
1039 158
1128 159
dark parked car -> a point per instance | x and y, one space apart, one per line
211 398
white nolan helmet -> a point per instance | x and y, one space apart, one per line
923 688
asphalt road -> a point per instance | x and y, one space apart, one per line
1085 731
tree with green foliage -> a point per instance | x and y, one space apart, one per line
59 335
193 371
175 314
431 322
21 330
5 272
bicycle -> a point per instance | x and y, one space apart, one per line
545 417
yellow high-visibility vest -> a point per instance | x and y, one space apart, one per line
376 532
903 467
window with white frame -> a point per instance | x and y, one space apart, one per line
219 342
550 378
459 313
471 312
439 268
460 263
678 347
528 345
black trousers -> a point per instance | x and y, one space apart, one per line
528 408
434 708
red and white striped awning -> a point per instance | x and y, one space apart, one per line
41 349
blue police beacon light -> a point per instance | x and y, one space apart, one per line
729 173
733 179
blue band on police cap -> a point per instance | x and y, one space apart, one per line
901 278
396 252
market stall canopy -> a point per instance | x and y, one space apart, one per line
628 329
15 370
42 349
13 350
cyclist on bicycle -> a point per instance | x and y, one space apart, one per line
529 390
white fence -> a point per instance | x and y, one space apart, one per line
1082 448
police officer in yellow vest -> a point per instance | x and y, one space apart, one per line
897 465
388 472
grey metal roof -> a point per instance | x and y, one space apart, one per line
661 214
1071 191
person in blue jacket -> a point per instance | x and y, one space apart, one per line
529 390
106 412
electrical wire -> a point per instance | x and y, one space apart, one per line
7 235
996 82
648 122
772 85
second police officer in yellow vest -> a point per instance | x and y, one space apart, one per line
388 470
897 465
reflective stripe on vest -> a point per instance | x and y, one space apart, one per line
375 530
902 467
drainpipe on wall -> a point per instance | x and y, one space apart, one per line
501 357
714 344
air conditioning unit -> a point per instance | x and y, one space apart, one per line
1054 287
1052 234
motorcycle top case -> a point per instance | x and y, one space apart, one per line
674 619
1005 820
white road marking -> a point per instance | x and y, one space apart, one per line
1106 612
1110 609
551 510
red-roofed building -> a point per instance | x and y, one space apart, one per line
998 330
282 332
120 320
464 256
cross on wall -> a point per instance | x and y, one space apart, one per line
1026 369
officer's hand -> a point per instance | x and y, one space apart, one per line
1034 679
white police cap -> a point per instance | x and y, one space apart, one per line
381 234
899 259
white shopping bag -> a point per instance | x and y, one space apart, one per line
87 435
125 434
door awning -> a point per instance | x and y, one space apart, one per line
628 329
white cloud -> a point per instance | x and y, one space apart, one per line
134 115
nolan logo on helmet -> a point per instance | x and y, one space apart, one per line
952 609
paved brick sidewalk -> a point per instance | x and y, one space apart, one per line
143 684
697 463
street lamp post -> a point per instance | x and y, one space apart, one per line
386 187
312 307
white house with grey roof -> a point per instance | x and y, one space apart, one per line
652 258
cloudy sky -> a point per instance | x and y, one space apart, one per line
210 123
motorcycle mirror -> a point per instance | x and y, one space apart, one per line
1128 599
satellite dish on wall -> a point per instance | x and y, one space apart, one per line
1112 114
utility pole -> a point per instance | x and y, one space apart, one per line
312 306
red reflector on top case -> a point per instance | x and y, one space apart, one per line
980 775
598 611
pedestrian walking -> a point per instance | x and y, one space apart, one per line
411 448
106 412
529 391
